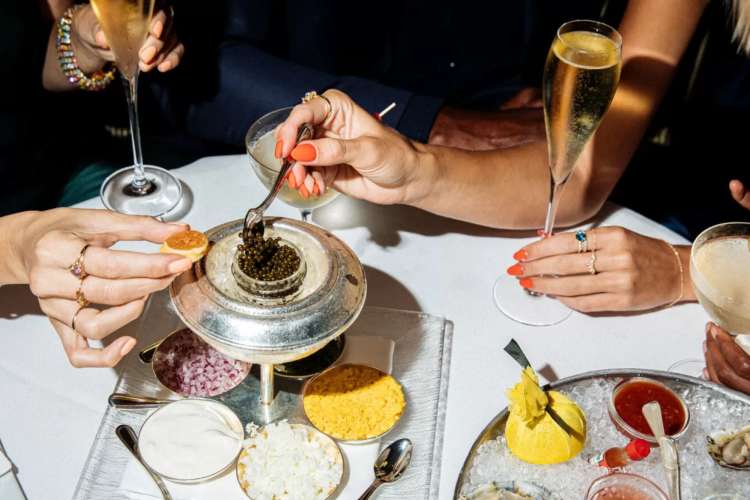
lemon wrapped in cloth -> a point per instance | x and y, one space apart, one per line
532 433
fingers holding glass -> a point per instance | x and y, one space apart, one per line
720 369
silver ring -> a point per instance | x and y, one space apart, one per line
591 265
583 241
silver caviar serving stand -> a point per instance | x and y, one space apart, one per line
270 323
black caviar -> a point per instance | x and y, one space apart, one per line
265 259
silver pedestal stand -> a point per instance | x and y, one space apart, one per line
285 322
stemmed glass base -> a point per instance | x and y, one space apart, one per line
158 196
523 307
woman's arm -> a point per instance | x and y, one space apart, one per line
508 188
503 188
11 233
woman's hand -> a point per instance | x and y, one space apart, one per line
354 153
726 362
48 243
161 50
633 272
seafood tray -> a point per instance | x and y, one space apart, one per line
714 412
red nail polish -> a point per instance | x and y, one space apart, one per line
521 255
279 148
304 152
515 270
526 282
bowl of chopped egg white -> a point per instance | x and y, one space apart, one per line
289 460
353 403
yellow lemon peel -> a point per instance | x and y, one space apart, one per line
527 399
532 434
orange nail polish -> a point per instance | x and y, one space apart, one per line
316 190
304 152
292 180
303 191
521 255
515 270
526 282
279 148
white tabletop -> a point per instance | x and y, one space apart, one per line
51 411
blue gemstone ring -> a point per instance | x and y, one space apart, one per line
583 242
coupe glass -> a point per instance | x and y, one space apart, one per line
720 272
260 142
580 79
139 189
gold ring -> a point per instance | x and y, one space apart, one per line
73 319
309 96
592 263
80 297
77 268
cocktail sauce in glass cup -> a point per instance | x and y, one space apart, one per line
624 485
627 401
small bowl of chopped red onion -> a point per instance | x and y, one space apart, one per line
188 366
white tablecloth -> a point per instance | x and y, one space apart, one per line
50 411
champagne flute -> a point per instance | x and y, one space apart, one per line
580 79
139 189
260 142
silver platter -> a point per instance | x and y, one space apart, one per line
496 427
211 303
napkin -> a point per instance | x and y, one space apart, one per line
373 351
10 489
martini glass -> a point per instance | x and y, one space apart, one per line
260 142
580 79
139 189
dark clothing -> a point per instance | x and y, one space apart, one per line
686 184
421 54
46 137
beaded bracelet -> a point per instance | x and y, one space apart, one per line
99 80
682 274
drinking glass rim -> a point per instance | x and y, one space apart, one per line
598 27
699 281
627 476
247 136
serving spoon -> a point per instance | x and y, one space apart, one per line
130 441
670 459
254 217
390 465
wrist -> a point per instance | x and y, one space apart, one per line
89 60
422 175
684 253
13 234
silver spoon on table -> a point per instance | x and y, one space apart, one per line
254 216
670 459
390 465
130 440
